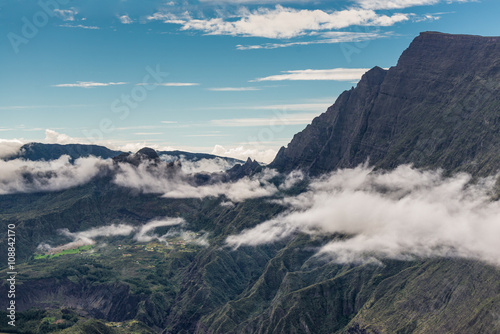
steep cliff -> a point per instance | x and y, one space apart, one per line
439 107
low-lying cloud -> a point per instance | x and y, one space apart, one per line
145 233
214 165
22 176
148 178
402 214
178 181
9 147
88 237
142 234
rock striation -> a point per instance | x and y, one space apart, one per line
438 108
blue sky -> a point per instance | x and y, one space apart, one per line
234 78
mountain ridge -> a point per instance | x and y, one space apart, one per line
409 114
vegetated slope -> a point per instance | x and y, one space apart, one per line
438 108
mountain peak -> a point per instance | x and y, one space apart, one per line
148 153
438 108
144 154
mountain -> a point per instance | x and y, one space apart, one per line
438 108
39 151
47 152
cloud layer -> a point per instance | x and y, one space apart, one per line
281 22
401 214
155 179
21 176
142 234
337 74
9 148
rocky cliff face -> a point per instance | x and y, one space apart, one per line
439 107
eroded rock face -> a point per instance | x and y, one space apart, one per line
112 302
439 107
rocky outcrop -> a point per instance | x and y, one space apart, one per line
145 154
439 107
112 302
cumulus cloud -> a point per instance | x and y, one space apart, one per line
337 74
9 147
53 137
282 22
66 14
125 19
402 214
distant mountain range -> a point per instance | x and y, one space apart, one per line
40 151
439 108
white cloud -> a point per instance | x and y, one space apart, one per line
79 26
256 1
87 237
261 154
285 119
125 19
90 84
292 179
9 147
330 37
398 4
66 14
179 84
282 22
53 137
142 234
400 214
233 89
172 84
21 176
145 231
317 107
200 166
104 231
337 74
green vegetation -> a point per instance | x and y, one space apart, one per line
78 250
